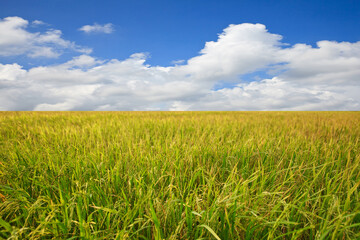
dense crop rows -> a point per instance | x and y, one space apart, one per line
180 175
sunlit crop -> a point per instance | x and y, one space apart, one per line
180 175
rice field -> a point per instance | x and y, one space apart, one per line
180 175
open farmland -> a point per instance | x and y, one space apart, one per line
180 175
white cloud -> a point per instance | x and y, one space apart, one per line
97 28
178 62
304 78
10 72
16 40
83 61
239 49
277 94
37 23
329 63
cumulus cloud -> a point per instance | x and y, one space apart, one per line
37 22
330 63
15 40
177 62
239 49
10 72
275 94
325 77
97 28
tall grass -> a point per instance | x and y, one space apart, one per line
180 175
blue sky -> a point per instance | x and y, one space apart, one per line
167 31
171 30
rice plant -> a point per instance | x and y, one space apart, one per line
180 175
